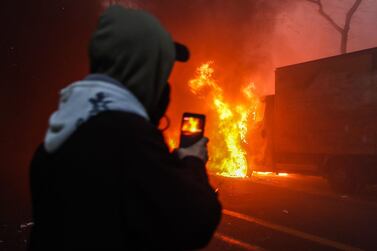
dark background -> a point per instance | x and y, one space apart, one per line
43 47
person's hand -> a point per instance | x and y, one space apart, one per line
199 150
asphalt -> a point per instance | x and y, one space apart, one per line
294 212
270 212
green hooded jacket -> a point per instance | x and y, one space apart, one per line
132 47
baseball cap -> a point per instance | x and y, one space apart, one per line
182 53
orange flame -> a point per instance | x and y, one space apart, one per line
172 144
229 156
191 125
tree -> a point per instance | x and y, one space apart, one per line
347 24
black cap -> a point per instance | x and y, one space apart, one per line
182 53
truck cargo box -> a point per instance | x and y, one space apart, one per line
327 106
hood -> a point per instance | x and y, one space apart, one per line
83 100
132 47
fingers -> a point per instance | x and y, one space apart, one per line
203 141
199 149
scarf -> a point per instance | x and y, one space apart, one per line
83 100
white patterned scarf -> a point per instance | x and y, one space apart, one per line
84 99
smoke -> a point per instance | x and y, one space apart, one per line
249 39
302 34
234 34
45 44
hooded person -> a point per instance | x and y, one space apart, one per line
104 179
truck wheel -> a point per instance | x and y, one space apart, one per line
344 180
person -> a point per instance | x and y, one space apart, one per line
104 179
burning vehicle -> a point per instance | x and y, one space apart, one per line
320 121
229 157
323 120
228 148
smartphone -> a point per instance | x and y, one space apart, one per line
192 129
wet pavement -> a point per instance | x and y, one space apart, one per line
271 212
294 212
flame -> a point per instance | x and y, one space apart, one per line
191 125
263 173
172 144
256 173
228 156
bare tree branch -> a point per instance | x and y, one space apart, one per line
347 25
343 31
325 15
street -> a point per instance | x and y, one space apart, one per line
293 212
271 212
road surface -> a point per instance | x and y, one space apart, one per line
270 212
293 212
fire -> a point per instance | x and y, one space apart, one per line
191 125
228 155
172 144
263 173
255 173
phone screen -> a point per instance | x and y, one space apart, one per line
192 128
192 125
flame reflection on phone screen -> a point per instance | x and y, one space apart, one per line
191 125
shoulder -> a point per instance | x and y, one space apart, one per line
121 123
112 131
119 120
